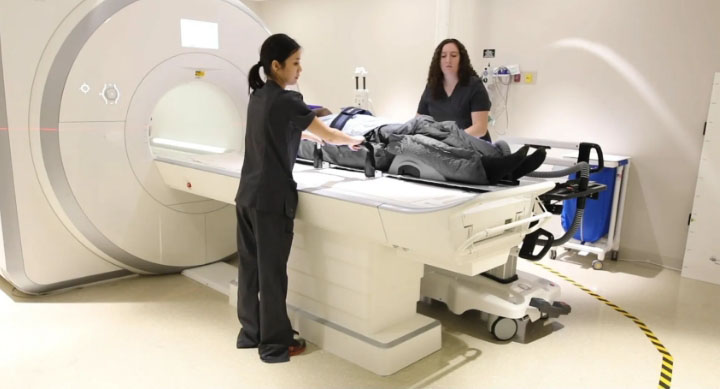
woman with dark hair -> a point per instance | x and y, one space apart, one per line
454 92
267 198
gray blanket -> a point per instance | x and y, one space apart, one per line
446 132
441 145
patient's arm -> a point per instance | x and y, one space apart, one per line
331 135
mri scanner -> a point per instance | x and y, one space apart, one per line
89 93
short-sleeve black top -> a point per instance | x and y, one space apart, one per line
275 119
457 107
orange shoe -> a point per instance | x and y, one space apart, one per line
298 347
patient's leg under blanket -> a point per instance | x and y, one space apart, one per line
439 146
446 132
344 156
450 134
306 149
452 163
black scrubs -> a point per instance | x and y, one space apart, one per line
464 100
266 202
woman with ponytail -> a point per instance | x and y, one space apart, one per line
267 197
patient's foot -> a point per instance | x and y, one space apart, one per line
498 167
529 164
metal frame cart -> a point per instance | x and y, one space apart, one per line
611 242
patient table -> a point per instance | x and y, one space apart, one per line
367 249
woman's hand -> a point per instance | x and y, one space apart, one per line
333 136
358 143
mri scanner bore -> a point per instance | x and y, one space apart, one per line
97 192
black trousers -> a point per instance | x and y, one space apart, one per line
264 241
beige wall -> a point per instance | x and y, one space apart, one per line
633 76
392 39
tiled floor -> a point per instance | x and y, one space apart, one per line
170 332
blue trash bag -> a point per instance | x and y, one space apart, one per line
596 221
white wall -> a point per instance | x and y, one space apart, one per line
633 76
254 5
392 39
